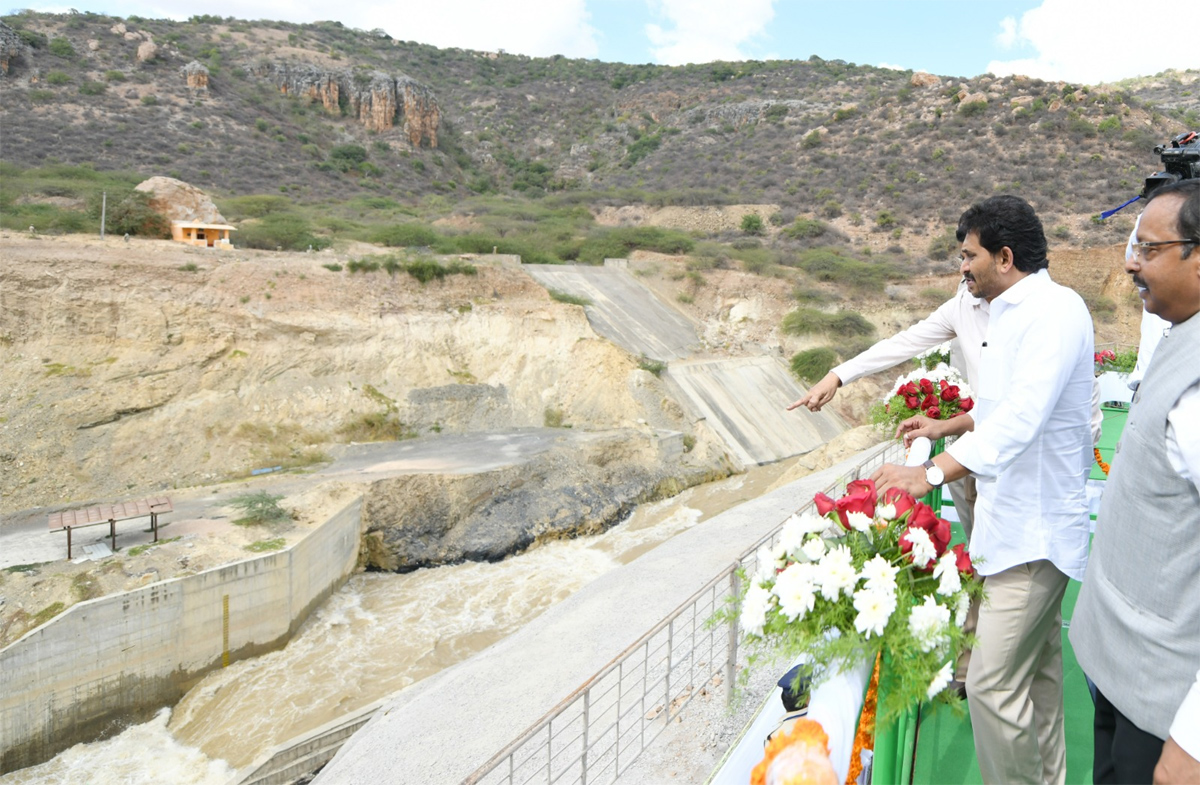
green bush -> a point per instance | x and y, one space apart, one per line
114 76
259 508
804 228
616 243
133 215
61 47
943 246
281 230
972 108
811 365
254 206
92 88
830 265
805 320
405 235
570 299
752 223
57 78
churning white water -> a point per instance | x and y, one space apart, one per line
378 634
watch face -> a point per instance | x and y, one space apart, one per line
934 476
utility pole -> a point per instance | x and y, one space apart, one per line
103 211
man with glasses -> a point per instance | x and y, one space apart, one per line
1031 451
1136 627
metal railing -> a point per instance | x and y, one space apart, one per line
597 731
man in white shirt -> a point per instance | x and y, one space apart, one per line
1031 451
963 320
1136 627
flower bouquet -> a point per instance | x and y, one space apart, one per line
862 578
938 393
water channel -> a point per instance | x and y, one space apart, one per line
378 634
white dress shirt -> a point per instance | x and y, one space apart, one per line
963 318
1183 453
1031 449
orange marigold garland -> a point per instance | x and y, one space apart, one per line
799 756
1100 461
865 737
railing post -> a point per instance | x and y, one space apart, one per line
670 652
587 702
735 585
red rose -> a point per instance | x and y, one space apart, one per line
899 498
912 402
939 530
966 404
949 393
933 413
929 400
962 560
943 383
860 497
824 503
907 389
926 386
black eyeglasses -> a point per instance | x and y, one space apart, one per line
1139 249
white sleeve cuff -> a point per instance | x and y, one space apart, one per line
1185 730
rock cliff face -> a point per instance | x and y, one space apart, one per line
429 520
196 75
378 100
127 372
10 46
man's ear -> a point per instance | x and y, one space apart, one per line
1005 260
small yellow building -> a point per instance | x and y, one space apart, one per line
202 234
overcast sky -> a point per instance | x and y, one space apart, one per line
1088 41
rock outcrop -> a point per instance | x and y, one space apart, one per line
179 201
428 520
11 46
196 75
378 100
147 51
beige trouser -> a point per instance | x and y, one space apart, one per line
963 493
1014 684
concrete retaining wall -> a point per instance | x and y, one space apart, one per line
116 660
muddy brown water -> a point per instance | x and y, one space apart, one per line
378 634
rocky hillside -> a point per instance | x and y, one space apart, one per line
255 107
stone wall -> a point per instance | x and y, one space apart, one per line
120 658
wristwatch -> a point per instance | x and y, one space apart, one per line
933 474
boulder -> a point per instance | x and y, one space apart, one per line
179 201
118 29
922 79
147 51
11 46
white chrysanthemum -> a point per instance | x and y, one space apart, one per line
879 574
859 521
755 605
874 609
923 551
835 573
796 590
765 564
940 681
886 511
961 611
928 622
814 549
813 523
946 570
791 537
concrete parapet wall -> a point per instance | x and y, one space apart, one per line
118 659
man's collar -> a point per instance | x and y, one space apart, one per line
1028 284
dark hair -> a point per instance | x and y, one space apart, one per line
1007 221
1187 222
